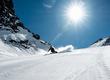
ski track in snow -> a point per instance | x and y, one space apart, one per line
85 64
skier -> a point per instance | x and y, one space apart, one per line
52 50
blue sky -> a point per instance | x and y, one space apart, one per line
45 17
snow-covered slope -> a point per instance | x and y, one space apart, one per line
14 34
85 64
9 50
101 42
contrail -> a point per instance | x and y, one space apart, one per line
61 33
57 36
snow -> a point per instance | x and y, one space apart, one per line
9 50
68 48
100 42
22 35
82 64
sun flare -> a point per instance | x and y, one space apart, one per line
76 12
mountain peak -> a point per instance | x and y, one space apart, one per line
7 4
102 42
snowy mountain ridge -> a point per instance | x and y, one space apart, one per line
15 34
102 42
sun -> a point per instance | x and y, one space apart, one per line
76 12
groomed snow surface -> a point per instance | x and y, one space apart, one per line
83 64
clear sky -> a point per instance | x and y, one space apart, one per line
45 17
